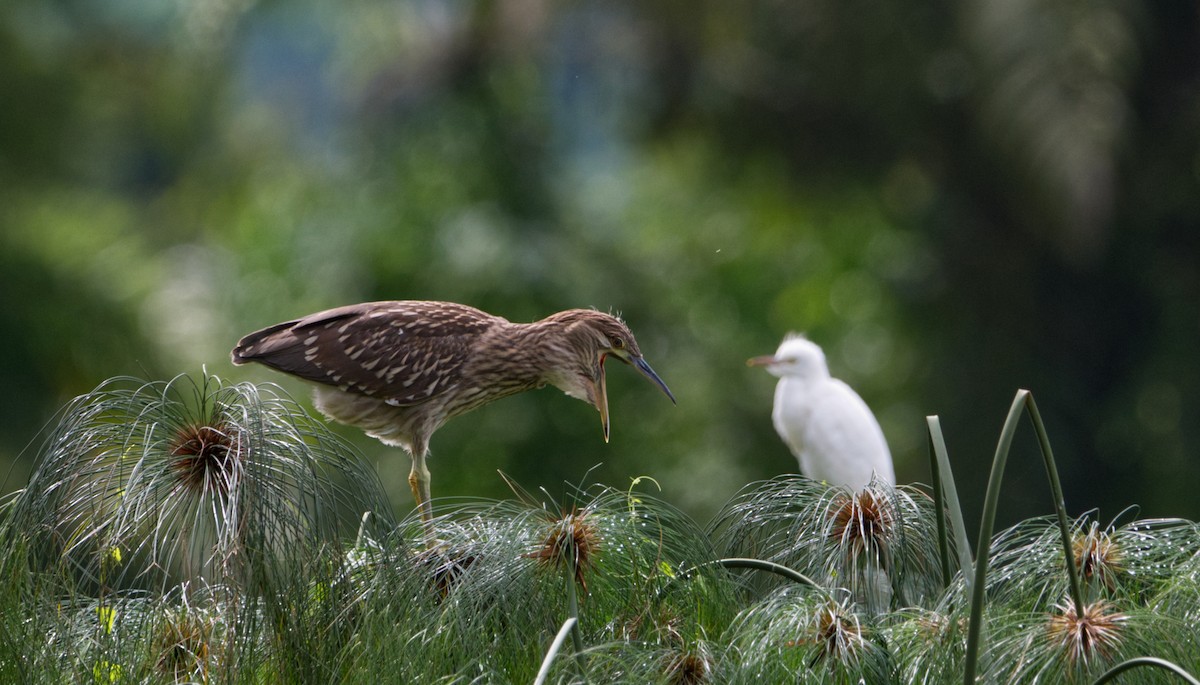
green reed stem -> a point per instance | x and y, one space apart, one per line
769 566
991 500
1060 506
943 486
555 646
939 506
573 607
1146 661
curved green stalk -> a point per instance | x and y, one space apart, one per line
939 506
1060 506
991 500
1146 661
1023 399
573 607
544 671
738 562
769 566
944 486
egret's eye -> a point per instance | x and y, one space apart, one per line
618 343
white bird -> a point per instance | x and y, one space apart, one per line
828 427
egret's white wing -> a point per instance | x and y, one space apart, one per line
832 432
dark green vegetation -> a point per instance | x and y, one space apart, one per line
204 532
955 198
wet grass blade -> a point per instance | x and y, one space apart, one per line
555 646
1023 400
573 607
939 506
943 487
991 501
1060 506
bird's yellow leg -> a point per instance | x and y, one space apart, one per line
418 480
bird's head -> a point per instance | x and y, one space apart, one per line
797 357
584 339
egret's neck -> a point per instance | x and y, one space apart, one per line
803 376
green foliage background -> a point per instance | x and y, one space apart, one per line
954 198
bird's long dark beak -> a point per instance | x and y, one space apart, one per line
641 365
601 390
765 360
601 386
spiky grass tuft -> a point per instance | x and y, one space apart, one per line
690 667
838 633
634 593
205 458
880 543
571 541
1096 634
1060 645
862 523
143 490
805 636
1098 557
1124 563
186 644
191 480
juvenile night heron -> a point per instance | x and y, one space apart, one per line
399 370
828 427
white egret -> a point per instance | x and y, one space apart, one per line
828 427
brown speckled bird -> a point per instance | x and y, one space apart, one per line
399 370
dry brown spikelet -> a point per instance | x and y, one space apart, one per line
182 645
862 522
204 457
689 668
570 537
1081 638
1098 557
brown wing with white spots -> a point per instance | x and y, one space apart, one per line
403 352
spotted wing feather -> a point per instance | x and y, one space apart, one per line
402 352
